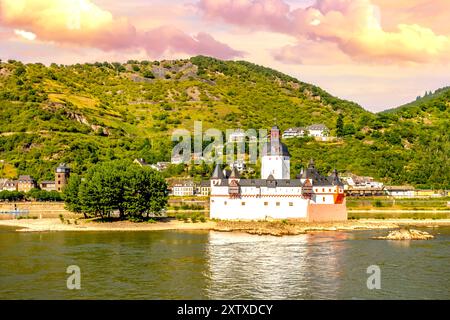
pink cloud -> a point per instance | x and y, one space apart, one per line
165 38
353 25
251 13
84 24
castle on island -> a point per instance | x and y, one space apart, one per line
311 196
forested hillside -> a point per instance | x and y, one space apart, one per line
85 113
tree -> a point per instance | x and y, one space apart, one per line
148 74
146 192
119 185
340 125
71 195
349 129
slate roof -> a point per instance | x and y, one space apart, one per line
319 126
218 174
267 147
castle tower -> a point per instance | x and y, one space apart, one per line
217 176
62 174
275 157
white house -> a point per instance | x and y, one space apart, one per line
182 189
315 130
400 191
294 132
318 130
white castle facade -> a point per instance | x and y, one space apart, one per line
311 196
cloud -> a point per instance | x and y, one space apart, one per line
251 13
82 23
165 38
25 34
353 25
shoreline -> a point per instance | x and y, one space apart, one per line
274 228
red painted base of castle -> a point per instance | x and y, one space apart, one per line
327 212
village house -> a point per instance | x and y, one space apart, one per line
429 194
160 166
294 132
203 188
318 130
25 183
400 191
8 185
315 130
48 185
183 189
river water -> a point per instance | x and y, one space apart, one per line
215 265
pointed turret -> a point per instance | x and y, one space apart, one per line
334 178
234 174
218 174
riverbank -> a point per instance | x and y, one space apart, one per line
275 228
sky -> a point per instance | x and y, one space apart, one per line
378 53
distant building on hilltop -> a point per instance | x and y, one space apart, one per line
318 130
315 130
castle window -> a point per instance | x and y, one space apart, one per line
291 204
266 203
323 199
329 190
323 189
277 204
243 203
225 203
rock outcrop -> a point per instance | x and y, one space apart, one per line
406 234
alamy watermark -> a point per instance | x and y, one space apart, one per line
74 280
374 280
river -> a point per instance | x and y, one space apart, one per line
216 265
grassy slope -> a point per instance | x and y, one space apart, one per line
82 114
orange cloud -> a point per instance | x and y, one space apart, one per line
353 25
83 23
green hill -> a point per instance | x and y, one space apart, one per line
85 113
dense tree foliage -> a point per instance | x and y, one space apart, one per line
33 194
132 190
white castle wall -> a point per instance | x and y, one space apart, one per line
253 208
276 203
